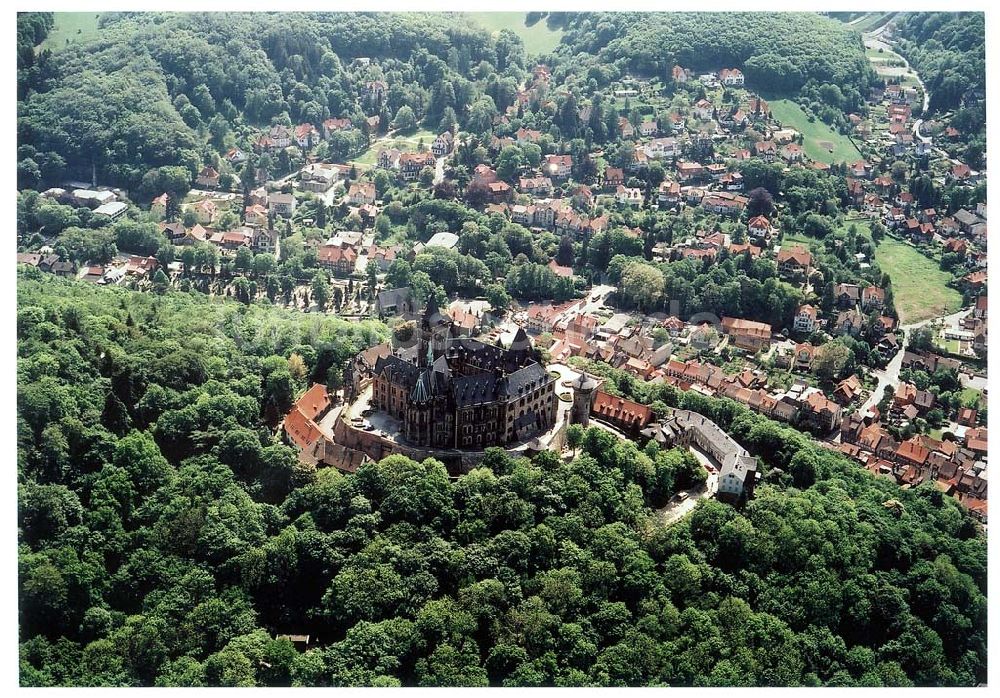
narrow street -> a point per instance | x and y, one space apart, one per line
439 170
890 375
875 41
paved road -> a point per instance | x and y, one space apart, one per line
874 40
674 511
439 170
890 375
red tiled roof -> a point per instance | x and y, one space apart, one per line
621 410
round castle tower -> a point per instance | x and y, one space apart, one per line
583 398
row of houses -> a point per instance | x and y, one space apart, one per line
954 467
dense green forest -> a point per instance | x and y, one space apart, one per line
948 49
164 89
166 537
155 87
778 51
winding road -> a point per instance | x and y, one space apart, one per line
874 40
889 376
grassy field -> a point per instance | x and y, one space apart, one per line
919 286
812 244
873 20
971 394
72 28
406 144
537 38
821 142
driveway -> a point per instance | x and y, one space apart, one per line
439 170
674 511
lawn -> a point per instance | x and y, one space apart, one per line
821 142
919 286
537 38
872 21
404 143
71 28
971 394
811 243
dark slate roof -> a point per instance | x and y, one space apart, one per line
584 381
475 389
520 341
397 367
524 379
393 296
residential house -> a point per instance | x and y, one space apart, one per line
724 203
747 334
766 150
306 135
361 193
872 298
629 196
703 110
264 240
625 128
821 413
498 191
339 259
669 193
849 322
794 262
792 152
206 211
690 171
317 177
331 126
847 390
558 166
256 215
732 181
527 135
443 144
613 177
731 77
847 295
280 136
805 319
759 229
159 206
803 356
535 186
281 204
235 156
208 177
411 164
388 159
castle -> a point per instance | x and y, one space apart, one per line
455 392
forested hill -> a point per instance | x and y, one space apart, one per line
153 87
778 51
948 49
166 538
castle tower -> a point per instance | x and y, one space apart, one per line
584 388
520 347
435 328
